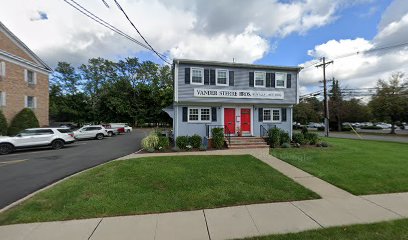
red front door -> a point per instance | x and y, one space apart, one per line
229 120
245 119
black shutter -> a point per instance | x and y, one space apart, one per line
231 78
251 79
260 114
206 77
288 80
212 77
185 114
283 114
268 79
213 114
187 76
273 80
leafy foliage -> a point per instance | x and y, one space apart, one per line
218 138
3 124
151 141
182 142
274 139
312 138
298 138
164 143
196 141
24 119
284 137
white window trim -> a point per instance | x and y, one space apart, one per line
285 77
199 115
191 76
272 109
34 102
2 99
216 77
264 81
2 69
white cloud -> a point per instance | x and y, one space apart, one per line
221 30
365 68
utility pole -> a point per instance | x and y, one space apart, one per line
326 100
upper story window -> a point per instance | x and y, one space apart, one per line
2 98
197 76
280 80
260 79
222 77
2 70
271 115
30 77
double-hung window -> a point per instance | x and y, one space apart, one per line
280 80
272 115
222 77
197 76
260 78
2 98
199 114
31 102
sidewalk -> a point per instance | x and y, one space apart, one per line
336 208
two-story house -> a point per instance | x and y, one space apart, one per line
23 78
241 98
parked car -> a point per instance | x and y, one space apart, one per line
37 137
383 125
315 125
111 131
126 127
91 131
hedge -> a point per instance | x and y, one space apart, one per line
24 119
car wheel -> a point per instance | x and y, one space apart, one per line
128 131
110 134
99 136
57 144
6 148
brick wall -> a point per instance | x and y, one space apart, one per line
16 88
6 44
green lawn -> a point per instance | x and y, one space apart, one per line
393 230
159 184
358 166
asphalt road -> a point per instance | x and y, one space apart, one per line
351 135
24 172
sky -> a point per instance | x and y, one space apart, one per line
271 32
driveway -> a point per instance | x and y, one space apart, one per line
24 172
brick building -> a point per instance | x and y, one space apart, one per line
23 78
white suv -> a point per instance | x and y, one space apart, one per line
91 131
37 137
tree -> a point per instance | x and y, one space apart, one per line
24 119
336 105
355 111
390 102
309 110
3 124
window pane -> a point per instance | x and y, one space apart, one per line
193 114
197 76
30 102
267 115
30 76
276 115
280 83
222 77
259 79
205 114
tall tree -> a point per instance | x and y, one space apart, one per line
336 105
390 102
308 110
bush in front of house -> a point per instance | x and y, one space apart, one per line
24 119
218 138
163 143
298 138
195 141
151 141
311 138
286 145
182 142
284 137
3 124
274 137
304 130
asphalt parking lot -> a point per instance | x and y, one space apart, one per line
26 171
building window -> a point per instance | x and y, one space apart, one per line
199 114
260 79
197 76
30 102
30 77
2 70
280 80
2 98
222 77
272 115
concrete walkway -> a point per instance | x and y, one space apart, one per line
336 208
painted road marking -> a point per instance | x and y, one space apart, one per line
12 162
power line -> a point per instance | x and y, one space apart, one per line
130 21
100 21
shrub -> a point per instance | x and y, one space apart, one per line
324 144
320 128
175 149
218 137
286 145
371 127
312 138
304 130
24 119
196 141
163 143
203 148
284 137
151 141
182 142
3 124
298 138
274 137
150 150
